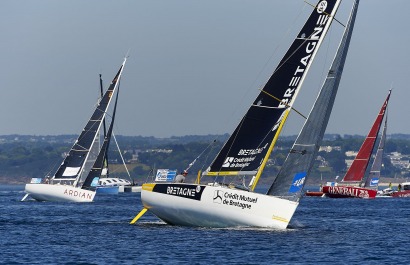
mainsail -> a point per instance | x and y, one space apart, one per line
245 150
374 175
298 164
76 165
356 171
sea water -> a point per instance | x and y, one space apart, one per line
323 230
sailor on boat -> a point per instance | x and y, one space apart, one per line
180 178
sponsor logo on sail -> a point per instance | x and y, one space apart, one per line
321 7
310 47
236 162
297 182
374 182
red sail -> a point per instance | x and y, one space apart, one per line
359 165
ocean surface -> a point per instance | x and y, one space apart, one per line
322 231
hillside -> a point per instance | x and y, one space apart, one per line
23 157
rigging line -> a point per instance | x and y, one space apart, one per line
127 55
287 105
102 112
206 158
278 67
324 73
122 158
284 37
193 162
305 40
285 60
326 13
233 141
281 41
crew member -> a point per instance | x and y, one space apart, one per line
181 177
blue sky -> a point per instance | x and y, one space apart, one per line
194 66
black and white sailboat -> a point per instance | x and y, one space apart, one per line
99 177
72 180
248 149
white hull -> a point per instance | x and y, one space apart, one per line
215 206
59 193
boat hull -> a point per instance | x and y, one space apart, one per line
348 192
58 193
215 206
401 194
314 193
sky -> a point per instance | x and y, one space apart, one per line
194 66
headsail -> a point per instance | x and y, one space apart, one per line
356 171
73 165
300 159
99 163
245 150
374 175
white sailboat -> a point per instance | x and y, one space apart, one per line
72 182
248 149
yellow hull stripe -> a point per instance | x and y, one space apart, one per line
148 186
227 173
278 218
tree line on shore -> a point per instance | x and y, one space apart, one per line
23 156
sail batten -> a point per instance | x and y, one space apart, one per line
248 145
298 164
79 154
98 165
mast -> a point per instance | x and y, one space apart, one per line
265 159
248 146
105 127
73 166
358 168
99 163
300 159
374 174
102 94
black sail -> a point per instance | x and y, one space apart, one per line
249 143
100 161
300 159
72 166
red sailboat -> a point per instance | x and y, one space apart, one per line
351 184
